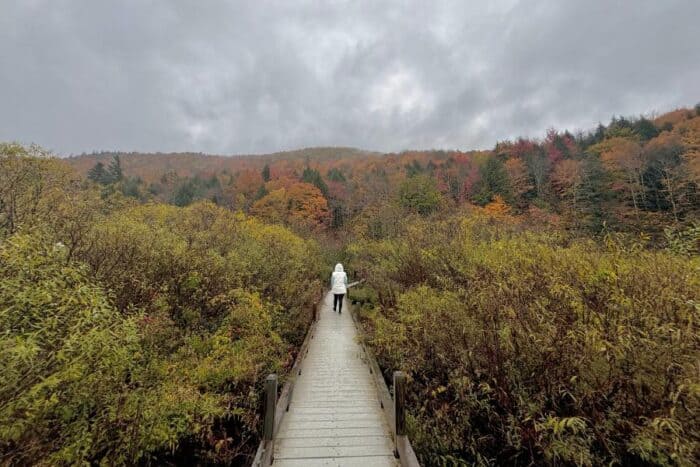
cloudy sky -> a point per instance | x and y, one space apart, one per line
257 76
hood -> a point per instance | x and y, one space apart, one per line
338 267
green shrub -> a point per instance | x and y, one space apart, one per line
684 241
148 340
523 349
363 295
420 194
67 359
186 259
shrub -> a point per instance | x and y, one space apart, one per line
144 335
67 359
523 349
82 382
420 194
30 184
187 258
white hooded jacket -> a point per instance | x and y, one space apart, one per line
339 280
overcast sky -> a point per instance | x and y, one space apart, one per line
233 77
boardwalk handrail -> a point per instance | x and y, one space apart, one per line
275 409
394 409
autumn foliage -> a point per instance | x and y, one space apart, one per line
542 295
138 333
529 349
633 175
300 205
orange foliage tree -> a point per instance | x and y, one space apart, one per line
307 206
301 205
568 179
624 158
518 177
690 135
497 207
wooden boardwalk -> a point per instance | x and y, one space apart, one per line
335 417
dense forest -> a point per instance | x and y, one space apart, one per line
543 296
633 175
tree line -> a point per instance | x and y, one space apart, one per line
633 175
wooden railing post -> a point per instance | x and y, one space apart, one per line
404 452
270 403
399 403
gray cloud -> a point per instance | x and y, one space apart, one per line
248 77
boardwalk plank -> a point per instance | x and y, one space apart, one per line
326 441
363 461
315 452
335 432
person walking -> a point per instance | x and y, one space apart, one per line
339 284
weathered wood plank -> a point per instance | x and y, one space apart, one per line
315 452
332 410
335 417
364 461
335 432
327 441
399 403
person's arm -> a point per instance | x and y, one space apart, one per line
346 280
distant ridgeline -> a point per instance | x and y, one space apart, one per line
635 175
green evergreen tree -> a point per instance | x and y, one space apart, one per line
98 174
213 182
337 215
413 169
115 173
645 129
131 187
494 181
261 193
313 177
335 175
188 191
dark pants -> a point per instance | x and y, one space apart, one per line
338 301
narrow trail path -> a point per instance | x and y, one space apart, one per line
335 418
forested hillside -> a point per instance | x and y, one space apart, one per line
543 296
633 175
